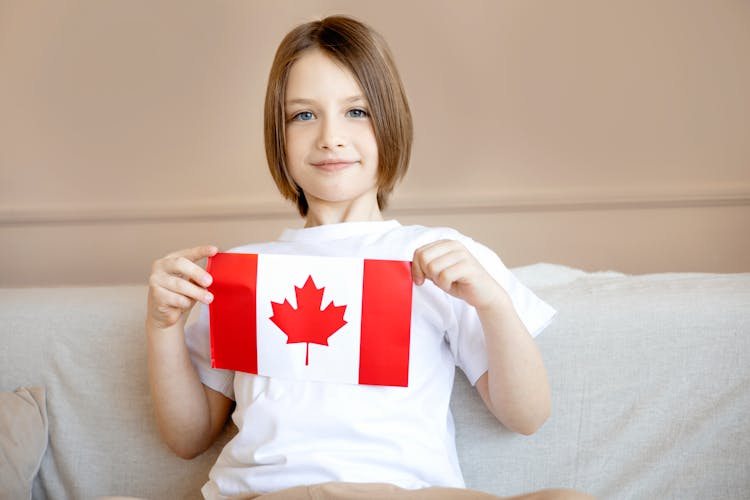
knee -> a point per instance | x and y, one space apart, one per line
567 494
564 494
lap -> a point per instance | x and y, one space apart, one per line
381 491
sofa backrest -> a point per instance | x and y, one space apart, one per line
650 378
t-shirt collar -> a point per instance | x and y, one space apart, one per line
338 231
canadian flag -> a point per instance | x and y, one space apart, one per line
331 319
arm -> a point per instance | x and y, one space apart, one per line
189 415
515 387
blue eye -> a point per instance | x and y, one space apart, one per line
303 116
357 113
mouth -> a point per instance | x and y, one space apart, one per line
333 165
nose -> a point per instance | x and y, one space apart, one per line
332 134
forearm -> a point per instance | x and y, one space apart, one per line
517 384
180 401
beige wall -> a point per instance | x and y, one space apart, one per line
601 135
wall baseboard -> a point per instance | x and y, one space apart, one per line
133 213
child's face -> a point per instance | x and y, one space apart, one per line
330 144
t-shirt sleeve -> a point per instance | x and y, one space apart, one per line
198 340
470 349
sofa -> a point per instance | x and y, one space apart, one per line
650 377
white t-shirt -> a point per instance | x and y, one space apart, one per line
297 432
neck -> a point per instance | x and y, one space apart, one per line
319 214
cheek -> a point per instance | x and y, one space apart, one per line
367 143
294 147
373 156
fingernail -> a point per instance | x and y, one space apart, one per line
207 280
209 298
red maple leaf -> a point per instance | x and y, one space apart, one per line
308 323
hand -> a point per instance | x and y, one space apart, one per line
449 265
175 284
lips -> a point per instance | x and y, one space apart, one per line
333 164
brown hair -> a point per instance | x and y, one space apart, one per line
365 53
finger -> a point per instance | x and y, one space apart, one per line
421 260
426 257
196 253
431 248
166 299
439 264
439 248
185 268
432 253
416 272
186 288
443 271
426 267
418 268
182 263
450 276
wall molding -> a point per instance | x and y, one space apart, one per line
560 201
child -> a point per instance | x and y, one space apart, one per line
338 137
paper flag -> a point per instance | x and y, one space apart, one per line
327 319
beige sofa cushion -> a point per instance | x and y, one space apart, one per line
23 440
87 347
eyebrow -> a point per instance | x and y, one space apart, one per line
300 100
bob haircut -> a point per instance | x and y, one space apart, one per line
365 53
